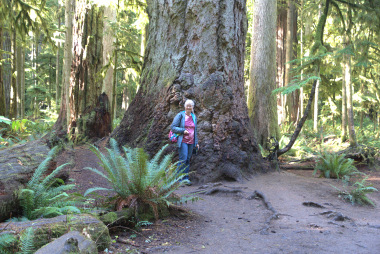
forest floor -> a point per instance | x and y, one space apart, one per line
231 223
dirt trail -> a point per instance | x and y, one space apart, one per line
228 223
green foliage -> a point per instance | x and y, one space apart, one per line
138 180
5 120
333 165
43 197
358 195
7 243
26 244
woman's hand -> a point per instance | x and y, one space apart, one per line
186 132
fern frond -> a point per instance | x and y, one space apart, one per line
43 167
6 242
99 173
96 189
27 241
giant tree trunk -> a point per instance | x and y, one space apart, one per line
195 50
261 103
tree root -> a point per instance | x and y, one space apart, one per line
239 193
222 190
268 205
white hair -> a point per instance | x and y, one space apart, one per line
189 102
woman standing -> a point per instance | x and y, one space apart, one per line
185 124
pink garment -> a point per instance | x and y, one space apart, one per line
190 127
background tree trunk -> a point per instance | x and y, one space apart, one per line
85 83
18 77
60 125
22 99
291 32
350 111
108 48
261 103
200 56
281 54
57 64
315 111
13 104
344 108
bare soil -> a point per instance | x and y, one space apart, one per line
231 223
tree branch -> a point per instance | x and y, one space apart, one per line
300 123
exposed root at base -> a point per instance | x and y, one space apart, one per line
268 205
239 193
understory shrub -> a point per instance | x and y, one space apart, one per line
24 244
358 195
333 165
46 196
137 180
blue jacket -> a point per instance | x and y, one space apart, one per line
178 126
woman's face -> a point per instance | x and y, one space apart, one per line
188 108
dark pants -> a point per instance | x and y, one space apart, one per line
185 152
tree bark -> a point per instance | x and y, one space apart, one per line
22 99
315 111
60 125
350 111
57 64
281 54
195 50
292 99
85 85
108 48
18 77
262 106
13 103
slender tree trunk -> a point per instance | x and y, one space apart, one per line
18 77
13 104
2 85
281 55
108 48
22 99
344 108
301 35
291 100
64 114
57 64
195 50
350 111
262 106
315 113
125 103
